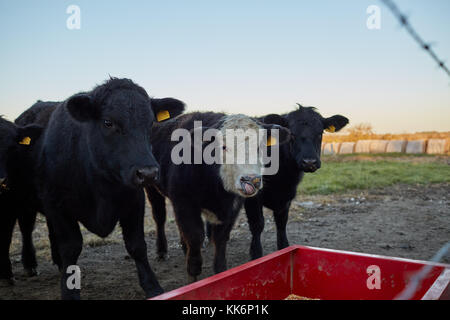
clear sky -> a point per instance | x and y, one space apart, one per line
253 57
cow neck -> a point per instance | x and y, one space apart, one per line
288 163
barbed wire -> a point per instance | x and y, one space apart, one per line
405 23
418 277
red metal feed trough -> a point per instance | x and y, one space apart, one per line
318 273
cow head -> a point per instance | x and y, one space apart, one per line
241 165
15 143
118 117
307 126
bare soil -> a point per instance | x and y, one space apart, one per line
402 221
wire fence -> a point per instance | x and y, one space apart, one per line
403 19
417 279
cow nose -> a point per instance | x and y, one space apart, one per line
147 175
309 164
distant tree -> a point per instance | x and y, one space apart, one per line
360 131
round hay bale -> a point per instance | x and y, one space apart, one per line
416 146
378 146
396 146
347 148
363 146
336 147
331 148
328 150
437 146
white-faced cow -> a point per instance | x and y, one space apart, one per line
215 190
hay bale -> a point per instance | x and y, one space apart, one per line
328 150
378 146
347 147
437 146
416 146
336 147
363 146
396 146
331 148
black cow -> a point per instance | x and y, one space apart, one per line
215 191
301 155
16 193
92 162
39 113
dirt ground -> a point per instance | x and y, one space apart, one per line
403 221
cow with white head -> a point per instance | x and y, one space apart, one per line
208 171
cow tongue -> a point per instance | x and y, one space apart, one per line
249 189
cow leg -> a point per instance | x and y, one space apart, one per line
208 232
132 223
255 217
192 232
68 236
26 224
281 219
183 243
56 258
158 203
7 223
220 234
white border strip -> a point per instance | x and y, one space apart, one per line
439 286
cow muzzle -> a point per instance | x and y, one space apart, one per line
146 176
309 165
250 185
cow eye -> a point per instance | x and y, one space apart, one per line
108 124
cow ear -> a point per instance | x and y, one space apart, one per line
283 136
28 135
82 108
276 119
167 108
334 123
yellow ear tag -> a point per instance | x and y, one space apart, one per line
271 141
330 129
25 141
162 115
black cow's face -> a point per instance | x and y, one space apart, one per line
13 141
119 128
307 126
